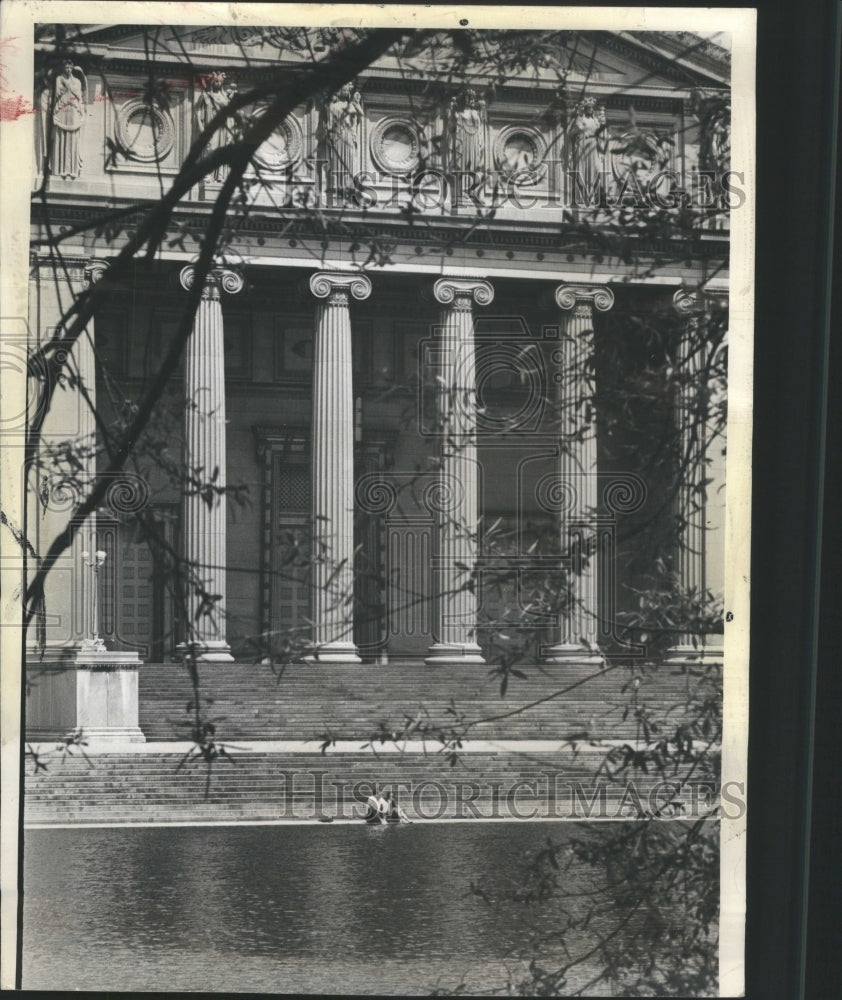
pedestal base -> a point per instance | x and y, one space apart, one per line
113 734
212 651
334 652
446 652
688 653
574 654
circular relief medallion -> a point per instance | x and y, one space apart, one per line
520 153
283 148
145 131
396 145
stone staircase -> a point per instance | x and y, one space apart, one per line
350 701
272 726
271 785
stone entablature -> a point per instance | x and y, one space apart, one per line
373 146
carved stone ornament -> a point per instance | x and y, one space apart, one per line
520 154
396 145
570 296
644 154
690 302
95 270
223 277
687 302
284 147
450 291
325 283
145 131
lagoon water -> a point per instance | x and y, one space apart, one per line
280 909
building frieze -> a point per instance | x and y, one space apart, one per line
454 232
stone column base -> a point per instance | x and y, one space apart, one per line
574 654
444 652
688 653
210 651
107 696
113 734
334 652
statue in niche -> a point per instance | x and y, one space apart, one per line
467 129
69 96
216 95
342 131
587 137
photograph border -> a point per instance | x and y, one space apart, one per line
18 19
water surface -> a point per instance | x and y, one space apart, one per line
297 909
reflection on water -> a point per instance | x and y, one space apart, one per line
340 909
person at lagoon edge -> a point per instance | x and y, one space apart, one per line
394 813
375 808
383 809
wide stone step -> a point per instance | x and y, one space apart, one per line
248 701
258 785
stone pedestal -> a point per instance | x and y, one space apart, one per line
97 693
578 474
333 467
456 498
107 697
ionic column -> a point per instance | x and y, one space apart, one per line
57 486
578 473
94 270
204 450
333 467
456 501
692 500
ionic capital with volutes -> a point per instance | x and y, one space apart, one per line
219 277
462 292
599 297
95 270
339 284
689 302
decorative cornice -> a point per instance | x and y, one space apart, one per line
323 283
431 235
570 296
449 290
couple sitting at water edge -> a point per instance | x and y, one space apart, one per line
384 809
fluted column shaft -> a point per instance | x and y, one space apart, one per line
578 469
456 499
333 467
204 542
86 368
691 501
57 486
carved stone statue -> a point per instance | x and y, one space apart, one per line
215 96
640 161
342 132
467 131
587 136
68 120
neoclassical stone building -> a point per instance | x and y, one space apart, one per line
428 287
